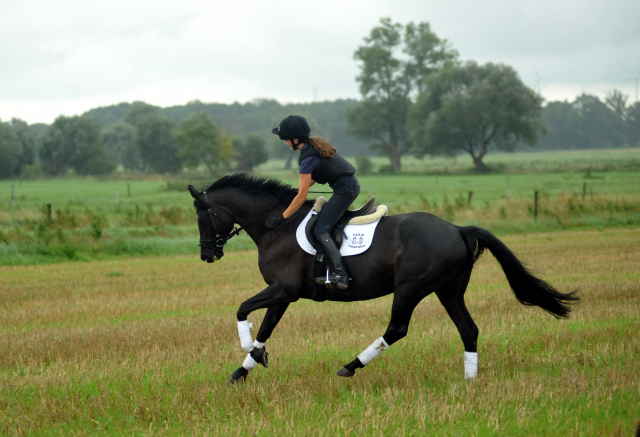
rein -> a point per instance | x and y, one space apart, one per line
219 242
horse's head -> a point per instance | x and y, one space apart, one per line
214 226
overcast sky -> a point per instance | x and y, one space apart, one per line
68 56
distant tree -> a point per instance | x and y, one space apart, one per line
617 102
200 141
250 152
156 144
564 127
600 125
119 140
138 111
10 150
469 108
632 125
388 82
28 143
74 142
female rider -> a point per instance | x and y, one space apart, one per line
319 163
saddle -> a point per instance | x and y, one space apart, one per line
363 215
337 233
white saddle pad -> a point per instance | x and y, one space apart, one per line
357 241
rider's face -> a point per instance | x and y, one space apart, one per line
289 143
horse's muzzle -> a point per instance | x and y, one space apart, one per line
208 258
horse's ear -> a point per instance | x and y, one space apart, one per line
195 193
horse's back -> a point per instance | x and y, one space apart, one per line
424 244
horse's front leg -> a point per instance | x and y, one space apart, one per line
277 302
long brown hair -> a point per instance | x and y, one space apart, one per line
322 146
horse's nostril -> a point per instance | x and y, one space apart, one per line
203 257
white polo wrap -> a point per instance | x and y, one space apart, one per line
244 331
376 348
249 363
470 365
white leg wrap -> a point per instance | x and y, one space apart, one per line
244 331
249 363
376 348
470 365
258 344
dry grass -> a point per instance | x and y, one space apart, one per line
144 347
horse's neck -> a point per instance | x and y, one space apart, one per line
252 211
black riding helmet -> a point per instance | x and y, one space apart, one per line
294 126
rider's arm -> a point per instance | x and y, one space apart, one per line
303 190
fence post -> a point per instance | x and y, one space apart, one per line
13 194
535 207
469 198
584 190
48 212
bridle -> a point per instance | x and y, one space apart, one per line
217 244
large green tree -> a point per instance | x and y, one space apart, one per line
74 142
119 140
470 107
200 141
28 143
395 61
156 144
10 150
632 125
250 152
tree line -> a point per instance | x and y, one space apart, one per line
418 98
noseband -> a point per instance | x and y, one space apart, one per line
217 244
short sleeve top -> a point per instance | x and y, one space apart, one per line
310 163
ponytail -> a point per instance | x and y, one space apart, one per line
322 146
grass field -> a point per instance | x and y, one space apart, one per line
142 346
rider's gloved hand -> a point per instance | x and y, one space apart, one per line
274 221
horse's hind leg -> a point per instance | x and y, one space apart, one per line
401 312
451 296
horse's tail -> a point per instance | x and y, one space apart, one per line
529 290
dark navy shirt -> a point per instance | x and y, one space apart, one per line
310 163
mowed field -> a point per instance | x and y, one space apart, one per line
143 346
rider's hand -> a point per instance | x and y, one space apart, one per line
274 221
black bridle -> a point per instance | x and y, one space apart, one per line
217 244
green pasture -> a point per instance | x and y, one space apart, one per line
143 347
136 215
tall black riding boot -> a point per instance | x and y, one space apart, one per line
339 274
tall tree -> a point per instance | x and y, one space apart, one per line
74 142
200 141
617 102
156 144
119 140
392 70
28 143
10 150
250 152
632 125
468 108
600 125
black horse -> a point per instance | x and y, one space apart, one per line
412 256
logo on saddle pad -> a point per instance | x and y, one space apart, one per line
358 237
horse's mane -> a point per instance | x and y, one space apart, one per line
257 185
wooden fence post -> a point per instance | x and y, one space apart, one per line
469 198
535 207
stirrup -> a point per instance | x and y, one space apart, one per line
341 281
326 281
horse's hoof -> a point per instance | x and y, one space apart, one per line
260 356
238 375
345 372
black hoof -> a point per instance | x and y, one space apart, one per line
260 355
345 372
238 375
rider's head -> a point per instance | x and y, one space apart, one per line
294 128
